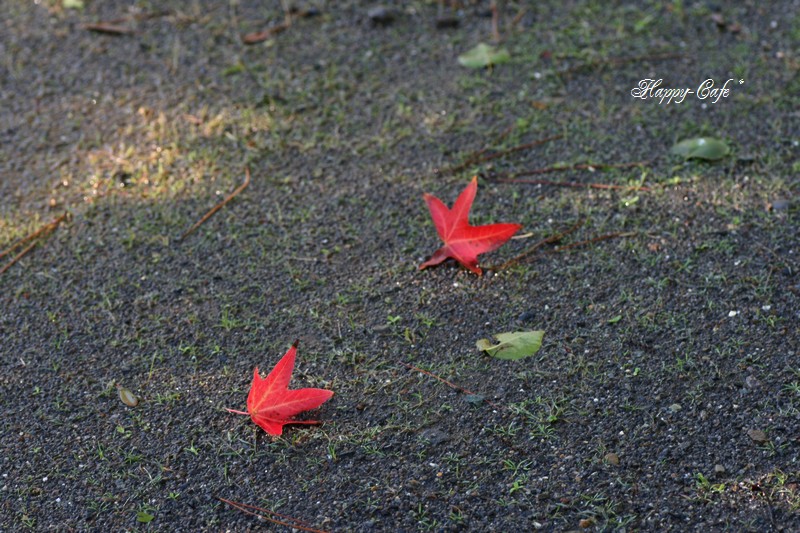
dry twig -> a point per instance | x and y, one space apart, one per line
17 257
451 385
263 35
220 205
518 148
582 166
288 14
479 157
617 61
495 21
108 28
44 229
41 232
553 238
287 521
593 240
577 184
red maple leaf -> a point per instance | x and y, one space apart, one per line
463 242
272 405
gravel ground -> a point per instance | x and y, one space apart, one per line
665 397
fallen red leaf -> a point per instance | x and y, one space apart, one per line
272 405
463 242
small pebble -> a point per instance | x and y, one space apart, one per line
435 436
612 458
757 436
751 382
780 204
719 469
381 15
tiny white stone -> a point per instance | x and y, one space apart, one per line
733 313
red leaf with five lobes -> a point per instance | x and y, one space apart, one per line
463 242
272 405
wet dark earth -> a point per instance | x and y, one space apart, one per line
665 396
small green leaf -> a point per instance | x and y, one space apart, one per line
236 68
73 4
643 23
127 397
514 345
629 201
474 399
706 148
144 517
484 55
615 319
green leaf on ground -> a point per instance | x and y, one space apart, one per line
127 397
513 345
474 399
73 4
706 148
615 319
484 55
144 517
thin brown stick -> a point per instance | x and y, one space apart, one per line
220 205
44 229
476 155
778 258
479 157
599 238
260 36
108 29
617 61
449 384
142 16
19 256
518 148
292 522
517 18
553 238
582 166
577 184
495 20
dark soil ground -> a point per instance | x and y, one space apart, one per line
666 395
